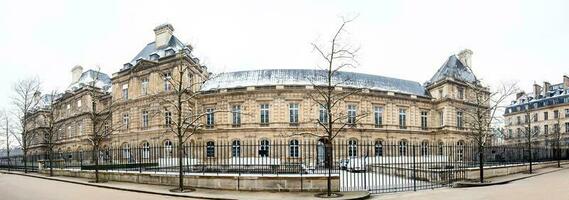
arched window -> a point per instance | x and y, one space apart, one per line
294 148
236 148
264 148
168 149
378 148
441 148
210 149
424 148
352 148
403 148
126 151
145 150
460 150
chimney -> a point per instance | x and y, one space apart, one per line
163 34
546 88
565 81
76 73
536 90
464 57
520 94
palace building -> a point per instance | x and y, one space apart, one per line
542 113
276 100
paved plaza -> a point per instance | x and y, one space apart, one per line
551 186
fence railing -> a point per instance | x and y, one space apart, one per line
377 166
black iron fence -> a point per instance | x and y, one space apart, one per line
376 166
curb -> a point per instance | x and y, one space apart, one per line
473 184
363 196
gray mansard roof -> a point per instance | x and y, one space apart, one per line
308 77
174 44
87 77
454 69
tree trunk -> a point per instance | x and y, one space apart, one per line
180 167
530 158
330 164
481 163
25 159
50 158
96 157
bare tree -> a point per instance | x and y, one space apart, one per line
481 115
186 116
337 55
100 115
556 138
51 129
25 99
7 128
529 133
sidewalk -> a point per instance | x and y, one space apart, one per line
509 178
548 183
199 193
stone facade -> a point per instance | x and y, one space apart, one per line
545 110
432 116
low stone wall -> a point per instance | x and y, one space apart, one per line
489 172
449 175
289 183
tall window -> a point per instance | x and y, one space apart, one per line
460 92
145 150
126 151
402 119
210 149
294 148
545 116
236 115
352 148
323 115
424 120
441 118
167 118
80 127
125 92
535 117
167 81
556 128
555 114
168 149
403 148
378 148
125 120
441 148
378 116
536 130
459 120
460 150
144 119
566 112
144 86
264 148
352 114
293 113
209 118
79 103
236 148
424 148
566 127
264 114
545 129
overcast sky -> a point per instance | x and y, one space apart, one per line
523 41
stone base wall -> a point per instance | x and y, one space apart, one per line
489 172
284 183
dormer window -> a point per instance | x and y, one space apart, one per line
169 52
154 57
127 65
138 60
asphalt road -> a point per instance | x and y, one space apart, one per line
552 186
15 187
